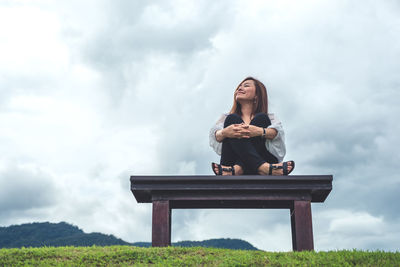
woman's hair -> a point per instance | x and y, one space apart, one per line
261 100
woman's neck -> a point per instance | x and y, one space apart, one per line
247 109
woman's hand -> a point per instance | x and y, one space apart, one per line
232 131
236 131
253 130
244 131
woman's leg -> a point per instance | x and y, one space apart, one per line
262 120
228 156
240 151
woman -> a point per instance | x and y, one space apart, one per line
249 139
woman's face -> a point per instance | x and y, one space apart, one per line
246 91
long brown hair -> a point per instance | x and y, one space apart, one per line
261 100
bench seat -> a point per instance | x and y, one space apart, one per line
293 192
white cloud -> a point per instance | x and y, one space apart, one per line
31 43
345 229
359 223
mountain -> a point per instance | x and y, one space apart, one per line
64 234
218 243
52 234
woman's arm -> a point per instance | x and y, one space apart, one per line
276 145
232 131
270 133
219 135
214 143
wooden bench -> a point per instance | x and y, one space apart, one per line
294 192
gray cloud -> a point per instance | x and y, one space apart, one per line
25 188
132 33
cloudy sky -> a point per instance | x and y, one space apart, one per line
92 92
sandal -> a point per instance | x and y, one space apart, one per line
221 169
284 167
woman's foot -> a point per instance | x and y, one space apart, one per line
226 170
283 168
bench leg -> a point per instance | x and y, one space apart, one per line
161 228
302 235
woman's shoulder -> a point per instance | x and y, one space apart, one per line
273 118
222 118
271 115
224 115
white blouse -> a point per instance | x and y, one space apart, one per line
276 146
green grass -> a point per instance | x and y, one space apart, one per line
178 256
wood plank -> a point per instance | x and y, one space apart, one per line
145 187
232 204
301 222
161 228
230 177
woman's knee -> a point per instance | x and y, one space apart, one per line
261 120
232 119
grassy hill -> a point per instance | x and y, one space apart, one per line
178 256
64 234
